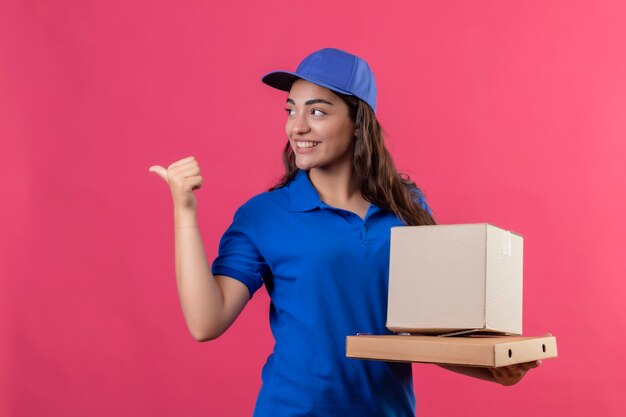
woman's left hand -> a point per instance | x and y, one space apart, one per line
512 374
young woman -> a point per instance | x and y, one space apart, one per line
319 242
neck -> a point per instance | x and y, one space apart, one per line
335 185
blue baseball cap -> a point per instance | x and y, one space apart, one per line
334 69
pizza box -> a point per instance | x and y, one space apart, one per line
483 351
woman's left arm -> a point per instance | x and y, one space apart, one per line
504 375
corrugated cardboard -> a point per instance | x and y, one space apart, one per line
469 351
450 278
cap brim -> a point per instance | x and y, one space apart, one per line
283 80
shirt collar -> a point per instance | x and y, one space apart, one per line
305 197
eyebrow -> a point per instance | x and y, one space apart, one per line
313 101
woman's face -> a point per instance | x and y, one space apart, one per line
319 128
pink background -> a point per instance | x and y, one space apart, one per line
512 113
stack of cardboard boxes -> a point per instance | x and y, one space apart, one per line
455 297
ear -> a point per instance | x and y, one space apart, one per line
356 131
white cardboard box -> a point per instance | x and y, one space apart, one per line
455 278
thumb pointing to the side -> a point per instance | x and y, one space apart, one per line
160 171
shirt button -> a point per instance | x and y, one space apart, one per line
364 227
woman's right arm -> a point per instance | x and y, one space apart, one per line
210 303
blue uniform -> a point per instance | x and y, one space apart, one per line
326 271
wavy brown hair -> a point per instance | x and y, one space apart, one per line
373 168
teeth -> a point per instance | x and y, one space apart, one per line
306 144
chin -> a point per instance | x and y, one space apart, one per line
303 163
304 166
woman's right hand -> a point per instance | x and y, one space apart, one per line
183 177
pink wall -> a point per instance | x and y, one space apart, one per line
512 113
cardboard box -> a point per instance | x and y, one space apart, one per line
455 278
468 350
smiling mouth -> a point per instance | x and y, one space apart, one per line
307 144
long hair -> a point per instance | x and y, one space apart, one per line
373 168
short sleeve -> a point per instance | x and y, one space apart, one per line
238 256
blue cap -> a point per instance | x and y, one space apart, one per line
334 69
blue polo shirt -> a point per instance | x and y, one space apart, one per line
326 271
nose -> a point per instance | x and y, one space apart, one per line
299 124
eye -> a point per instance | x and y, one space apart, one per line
289 111
319 112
